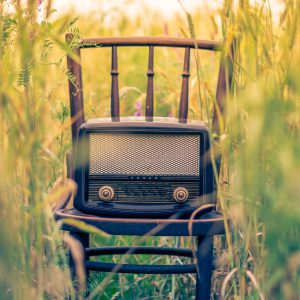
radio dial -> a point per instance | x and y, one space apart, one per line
180 194
106 193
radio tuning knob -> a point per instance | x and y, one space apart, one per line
180 194
106 193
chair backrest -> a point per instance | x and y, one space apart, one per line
75 85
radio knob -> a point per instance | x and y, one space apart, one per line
106 193
180 194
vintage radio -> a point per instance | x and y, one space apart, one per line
150 169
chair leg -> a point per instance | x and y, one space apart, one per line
83 238
204 256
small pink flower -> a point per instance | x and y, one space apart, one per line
138 107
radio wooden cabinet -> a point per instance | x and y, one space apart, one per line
145 169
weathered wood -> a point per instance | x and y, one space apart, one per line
211 225
114 250
220 109
84 239
223 88
115 110
141 269
204 257
184 97
75 91
149 97
70 165
151 41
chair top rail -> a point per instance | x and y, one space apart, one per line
151 41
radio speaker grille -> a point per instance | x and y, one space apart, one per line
148 154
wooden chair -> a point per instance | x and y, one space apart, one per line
211 223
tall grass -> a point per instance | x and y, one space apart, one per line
260 144
32 260
262 140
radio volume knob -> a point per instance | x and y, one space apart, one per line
180 194
106 193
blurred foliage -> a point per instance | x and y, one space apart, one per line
33 262
261 153
263 149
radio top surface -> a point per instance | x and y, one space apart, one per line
140 122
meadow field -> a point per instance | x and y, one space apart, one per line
259 184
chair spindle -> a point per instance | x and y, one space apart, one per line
75 91
184 97
223 88
149 97
115 110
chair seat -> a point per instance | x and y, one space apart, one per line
209 224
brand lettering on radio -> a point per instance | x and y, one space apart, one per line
141 177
